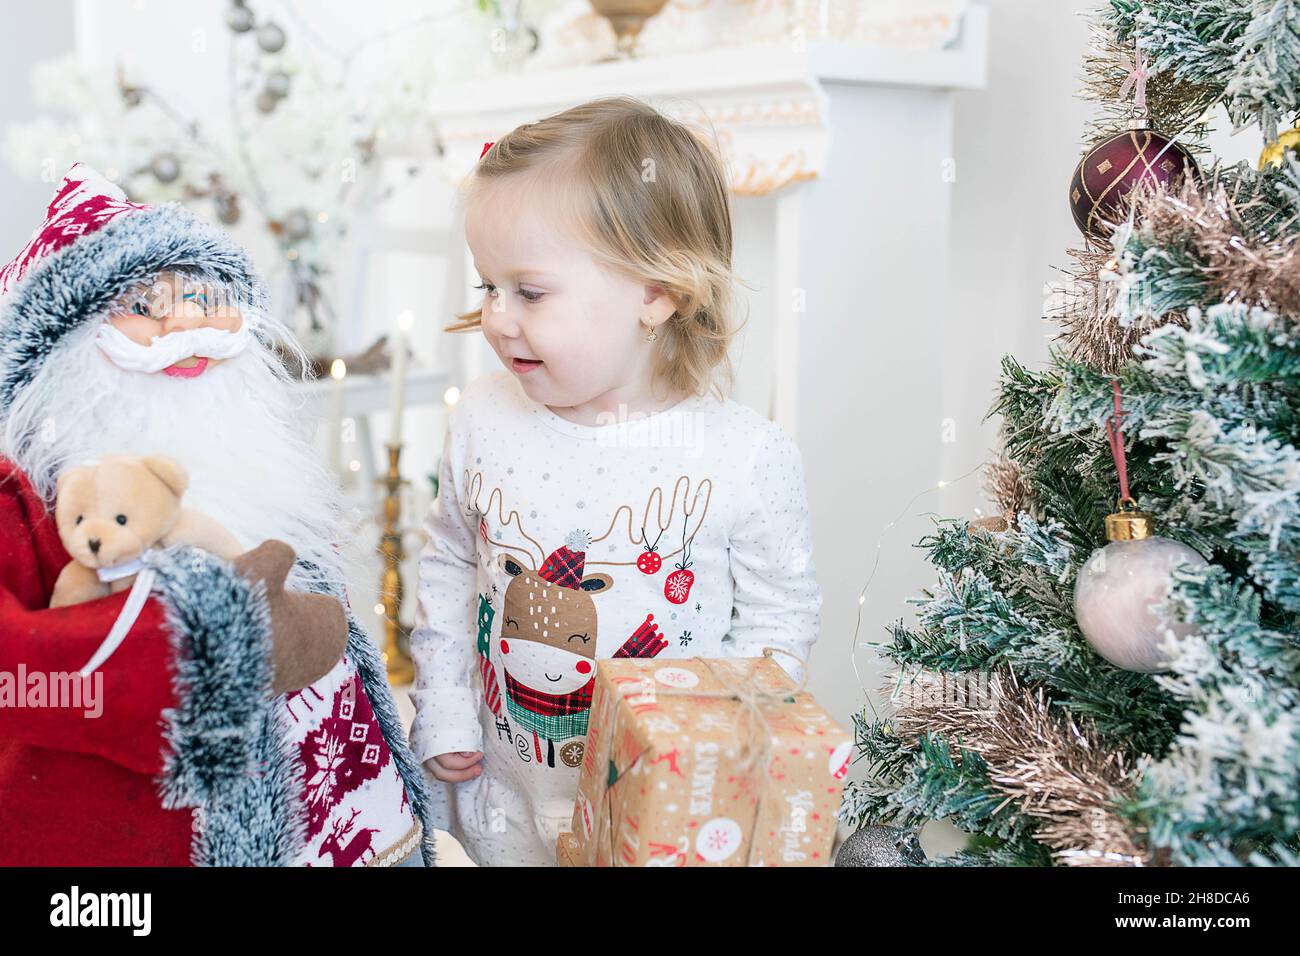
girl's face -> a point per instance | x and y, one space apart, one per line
570 330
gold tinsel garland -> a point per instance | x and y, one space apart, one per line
1053 769
1086 314
1239 263
1005 485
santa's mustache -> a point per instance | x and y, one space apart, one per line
169 349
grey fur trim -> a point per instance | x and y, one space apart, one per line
77 283
228 758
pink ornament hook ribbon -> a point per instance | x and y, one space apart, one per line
1136 80
1116 437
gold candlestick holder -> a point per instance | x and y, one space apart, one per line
400 668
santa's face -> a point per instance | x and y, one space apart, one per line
173 325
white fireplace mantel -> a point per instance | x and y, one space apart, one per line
768 105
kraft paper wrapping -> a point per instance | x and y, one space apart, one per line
705 763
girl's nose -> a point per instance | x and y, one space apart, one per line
498 319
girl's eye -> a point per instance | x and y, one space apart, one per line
527 294
140 307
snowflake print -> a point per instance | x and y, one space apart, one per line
676 677
684 639
677 588
718 839
327 760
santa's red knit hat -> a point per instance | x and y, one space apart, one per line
566 563
85 203
92 245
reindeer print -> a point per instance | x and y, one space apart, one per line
538 675
548 646
355 849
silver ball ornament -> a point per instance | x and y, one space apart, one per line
165 168
277 83
239 18
880 846
270 37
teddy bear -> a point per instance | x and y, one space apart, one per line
111 511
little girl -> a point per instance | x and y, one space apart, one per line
600 497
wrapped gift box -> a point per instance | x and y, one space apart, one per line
700 762
568 852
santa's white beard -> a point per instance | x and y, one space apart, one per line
238 429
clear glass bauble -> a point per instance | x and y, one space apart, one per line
1115 598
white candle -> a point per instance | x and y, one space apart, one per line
398 373
338 371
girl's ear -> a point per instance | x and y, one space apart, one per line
658 306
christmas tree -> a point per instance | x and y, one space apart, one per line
1109 673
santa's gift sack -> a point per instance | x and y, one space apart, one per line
704 762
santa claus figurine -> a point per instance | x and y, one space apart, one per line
227 729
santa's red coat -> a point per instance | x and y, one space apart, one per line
77 790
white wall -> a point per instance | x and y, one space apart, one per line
41 31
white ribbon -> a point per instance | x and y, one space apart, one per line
125 621
119 571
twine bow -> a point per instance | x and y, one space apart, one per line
752 699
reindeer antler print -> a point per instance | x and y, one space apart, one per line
654 521
474 488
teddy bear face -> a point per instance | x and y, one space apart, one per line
111 511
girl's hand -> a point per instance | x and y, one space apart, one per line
456 766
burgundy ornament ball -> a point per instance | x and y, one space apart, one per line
1111 169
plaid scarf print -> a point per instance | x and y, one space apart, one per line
551 716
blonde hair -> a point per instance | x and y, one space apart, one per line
648 198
